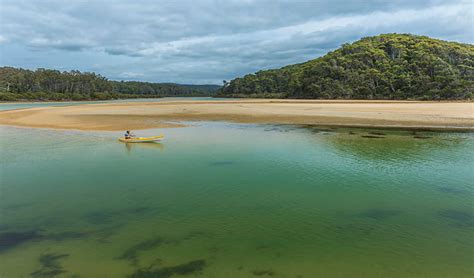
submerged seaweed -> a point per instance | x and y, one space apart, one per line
452 190
377 133
379 214
262 247
275 129
50 266
11 239
191 267
372 136
281 128
422 137
131 254
462 219
265 272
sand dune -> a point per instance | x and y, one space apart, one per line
142 115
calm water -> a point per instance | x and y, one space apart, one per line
232 200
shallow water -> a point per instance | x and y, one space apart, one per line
235 200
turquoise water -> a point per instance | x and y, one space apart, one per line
22 105
235 200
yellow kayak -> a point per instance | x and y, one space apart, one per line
142 139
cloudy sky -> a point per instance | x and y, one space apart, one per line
204 41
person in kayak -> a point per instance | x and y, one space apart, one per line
129 134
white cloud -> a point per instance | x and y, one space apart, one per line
129 74
3 39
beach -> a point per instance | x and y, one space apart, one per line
144 115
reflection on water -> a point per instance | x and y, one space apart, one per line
232 200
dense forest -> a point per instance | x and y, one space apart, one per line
389 66
46 84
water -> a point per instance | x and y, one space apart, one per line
22 105
235 200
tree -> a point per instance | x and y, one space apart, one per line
389 66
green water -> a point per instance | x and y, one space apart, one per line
233 200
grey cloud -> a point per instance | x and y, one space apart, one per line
207 41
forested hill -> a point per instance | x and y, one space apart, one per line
389 66
46 84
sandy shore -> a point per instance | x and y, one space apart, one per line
142 115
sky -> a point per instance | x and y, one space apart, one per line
204 41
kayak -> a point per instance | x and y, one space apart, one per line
142 139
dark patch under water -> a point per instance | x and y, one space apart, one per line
379 214
460 218
192 267
262 247
319 130
422 137
316 129
282 128
11 239
452 190
131 253
377 133
50 265
372 136
265 272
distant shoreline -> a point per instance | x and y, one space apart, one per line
432 115
67 101
250 99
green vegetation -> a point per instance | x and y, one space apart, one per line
389 66
45 84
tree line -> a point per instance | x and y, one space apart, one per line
389 66
47 84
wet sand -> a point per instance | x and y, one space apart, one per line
143 115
